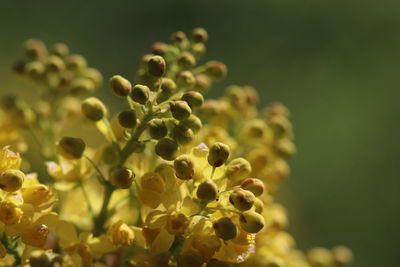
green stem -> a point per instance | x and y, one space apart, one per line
102 179
102 216
11 250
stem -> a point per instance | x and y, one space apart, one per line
102 216
103 179
11 250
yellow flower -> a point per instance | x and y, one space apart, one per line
69 170
9 160
121 234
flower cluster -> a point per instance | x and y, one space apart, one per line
179 180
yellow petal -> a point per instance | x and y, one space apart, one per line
162 242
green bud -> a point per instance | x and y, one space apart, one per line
180 109
190 258
76 62
185 80
120 86
225 229
258 205
82 86
342 255
35 69
182 134
203 83
193 98
255 129
186 61
156 66
179 38
109 155
35 49
70 147
207 191
238 169
93 109
11 180
55 64
167 148
320 257
199 35
242 199
60 50
256 186
157 129
127 119
94 75
251 221
285 148
193 122
140 94
216 70
159 49
121 177
168 86
218 154
198 49
184 167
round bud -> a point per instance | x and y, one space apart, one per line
258 205
193 98
140 94
127 119
218 154
199 35
120 86
185 80
35 235
82 86
168 86
191 258
93 109
186 61
180 109
184 167
76 62
238 169
159 49
156 66
157 129
94 75
193 122
251 221
11 180
198 49
167 148
182 135
320 257
225 229
70 147
255 129
35 69
216 70
35 49
60 49
121 177
242 199
342 255
178 38
203 83
207 191
55 64
217 263
256 186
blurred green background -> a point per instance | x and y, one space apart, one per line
335 64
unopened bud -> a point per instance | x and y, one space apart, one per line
218 154
127 119
140 94
180 109
193 122
35 235
242 199
207 191
342 255
182 135
251 221
121 177
10 213
157 129
186 61
193 98
120 86
256 186
167 148
199 35
11 180
238 169
60 49
55 64
157 66
35 49
76 62
225 229
203 83
70 147
159 49
184 167
36 194
258 205
82 86
185 80
93 109
216 70
179 38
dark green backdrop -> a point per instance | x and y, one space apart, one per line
336 64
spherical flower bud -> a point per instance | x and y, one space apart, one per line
216 70
199 35
120 86
55 64
93 109
180 109
121 234
218 154
184 167
167 148
121 177
159 48
190 258
203 83
251 221
168 86
76 62
242 199
35 49
177 224
193 122
342 255
256 186
35 235
70 147
82 86
140 94
320 257
127 119
60 49
255 129
238 169
217 263
207 191
11 180
10 213
178 38
258 205
94 75
193 98
36 194
186 61
35 69
185 80
225 229
182 134
157 129
156 66
198 49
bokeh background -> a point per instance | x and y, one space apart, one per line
335 64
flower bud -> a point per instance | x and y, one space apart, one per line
37 194
159 48
320 257
168 86
238 169
156 66
179 38
35 235
76 62
157 129
121 177
203 83
127 119
70 147
255 129
167 148
120 86
258 205
121 234
216 70
55 64
256 186
185 80
199 35
242 199
343 256
93 109
82 86
35 49
180 109
184 167
193 122
186 61
182 134
251 221
35 69
225 229
109 155
218 154
198 49
207 191
193 98
60 49
11 180
140 94
94 75
217 263
10 213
